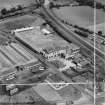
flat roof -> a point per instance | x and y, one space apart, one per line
37 40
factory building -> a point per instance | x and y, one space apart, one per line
66 51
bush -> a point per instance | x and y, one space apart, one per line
83 34
100 33
4 11
19 7
13 9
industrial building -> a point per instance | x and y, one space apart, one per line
66 51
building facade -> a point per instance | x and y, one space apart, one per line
66 52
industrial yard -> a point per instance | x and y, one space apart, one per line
52 52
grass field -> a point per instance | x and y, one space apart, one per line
81 15
100 21
17 22
69 92
13 3
101 1
47 93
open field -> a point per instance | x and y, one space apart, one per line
80 15
17 22
69 92
99 27
13 3
100 16
45 91
100 21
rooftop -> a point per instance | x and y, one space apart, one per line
55 47
36 39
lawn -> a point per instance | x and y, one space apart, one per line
47 93
80 15
13 3
70 92
100 21
23 21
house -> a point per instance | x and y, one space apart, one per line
53 51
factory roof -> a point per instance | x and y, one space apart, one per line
56 47
37 40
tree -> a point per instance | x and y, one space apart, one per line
98 5
99 32
19 7
51 5
13 9
4 11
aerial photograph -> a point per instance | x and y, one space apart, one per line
52 52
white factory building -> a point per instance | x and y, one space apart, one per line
66 51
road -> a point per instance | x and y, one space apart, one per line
70 35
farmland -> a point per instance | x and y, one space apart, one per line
11 3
